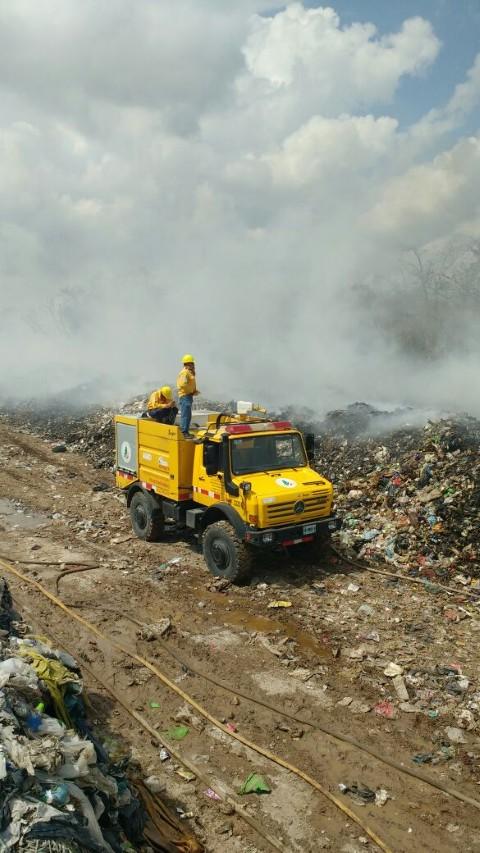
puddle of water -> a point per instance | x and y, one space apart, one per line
266 625
14 516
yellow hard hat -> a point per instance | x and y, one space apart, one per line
166 392
188 358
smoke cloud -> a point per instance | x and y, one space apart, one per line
232 180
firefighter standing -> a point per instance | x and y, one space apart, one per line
187 390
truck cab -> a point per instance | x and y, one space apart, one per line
246 483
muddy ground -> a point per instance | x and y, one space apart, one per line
322 659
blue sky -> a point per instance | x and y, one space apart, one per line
456 24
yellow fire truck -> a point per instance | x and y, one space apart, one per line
244 483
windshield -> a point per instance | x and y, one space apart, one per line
267 453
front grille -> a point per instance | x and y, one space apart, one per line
315 505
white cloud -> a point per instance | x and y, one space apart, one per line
463 102
431 200
339 67
329 148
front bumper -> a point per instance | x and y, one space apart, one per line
292 534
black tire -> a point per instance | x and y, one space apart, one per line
225 554
146 517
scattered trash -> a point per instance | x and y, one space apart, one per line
277 649
359 707
385 709
400 689
353 587
360 793
365 610
164 754
177 732
455 735
392 670
408 708
423 758
277 604
211 794
155 631
381 797
165 568
368 535
59 448
465 719
183 815
255 784
373 636
154 705
354 654
185 774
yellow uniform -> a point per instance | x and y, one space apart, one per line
186 383
158 401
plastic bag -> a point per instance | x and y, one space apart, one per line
51 726
17 668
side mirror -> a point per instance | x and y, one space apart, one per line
310 447
211 454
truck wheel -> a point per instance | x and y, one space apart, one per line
146 517
224 552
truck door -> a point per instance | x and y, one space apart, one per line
210 486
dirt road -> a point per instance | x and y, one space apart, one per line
322 659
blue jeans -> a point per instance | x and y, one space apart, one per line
164 416
185 412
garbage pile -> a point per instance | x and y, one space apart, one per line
89 431
59 789
410 497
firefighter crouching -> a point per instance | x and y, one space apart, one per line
161 406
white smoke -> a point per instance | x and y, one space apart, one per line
218 179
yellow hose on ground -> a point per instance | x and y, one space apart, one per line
342 738
204 713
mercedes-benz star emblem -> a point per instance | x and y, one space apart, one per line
299 507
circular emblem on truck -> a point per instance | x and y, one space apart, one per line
125 451
299 507
286 483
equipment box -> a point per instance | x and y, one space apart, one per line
155 454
